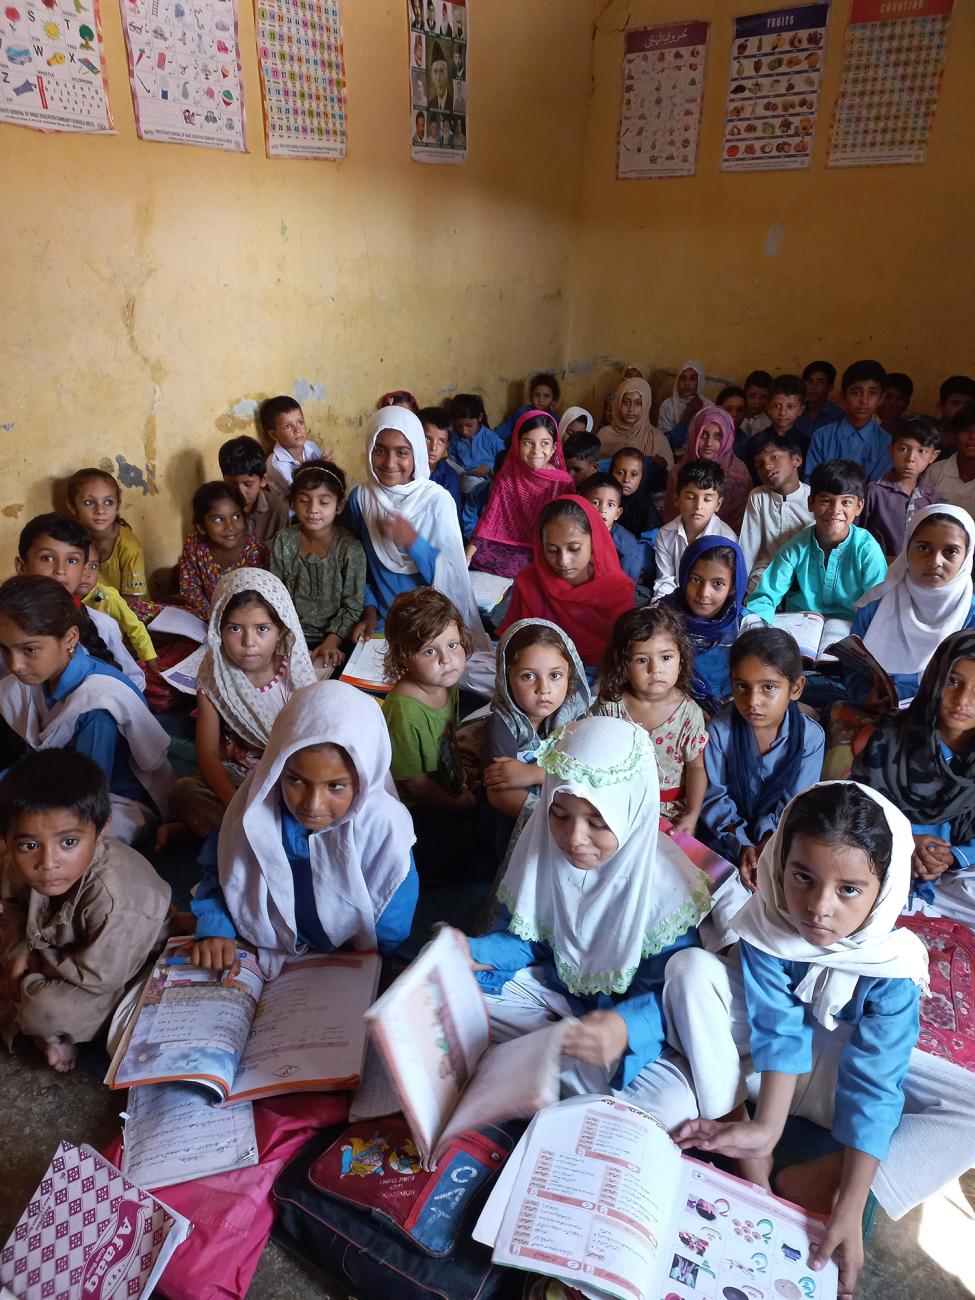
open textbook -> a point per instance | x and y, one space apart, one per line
813 633
489 589
597 1195
175 621
851 651
173 1135
431 1054
365 666
247 1037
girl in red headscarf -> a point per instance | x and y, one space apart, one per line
712 437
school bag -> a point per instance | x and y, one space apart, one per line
947 1010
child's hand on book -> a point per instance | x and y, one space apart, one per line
686 825
741 1140
328 653
748 867
843 1241
216 955
598 1038
462 943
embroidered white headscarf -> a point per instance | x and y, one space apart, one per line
875 951
672 408
601 923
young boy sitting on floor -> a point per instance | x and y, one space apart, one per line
954 479
81 913
283 422
243 465
893 501
606 496
700 489
777 509
858 436
582 452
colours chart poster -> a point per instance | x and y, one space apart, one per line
184 66
438 34
893 61
663 89
299 47
777 62
51 72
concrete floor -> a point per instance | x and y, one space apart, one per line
39 1107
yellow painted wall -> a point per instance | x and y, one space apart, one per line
152 288
773 269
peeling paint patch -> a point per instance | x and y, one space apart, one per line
306 391
7 427
773 237
131 476
450 389
245 408
284 229
15 507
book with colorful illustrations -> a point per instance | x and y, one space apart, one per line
245 1037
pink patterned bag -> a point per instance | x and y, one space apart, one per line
948 1011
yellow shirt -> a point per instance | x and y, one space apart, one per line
125 568
108 600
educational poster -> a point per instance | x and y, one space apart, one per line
663 88
51 72
299 48
439 94
184 66
777 62
893 60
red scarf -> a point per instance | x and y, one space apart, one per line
518 493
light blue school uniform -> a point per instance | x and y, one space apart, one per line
382 584
869 447
858 686
630 552
805 425
873 1063
507 427
800 576
479 450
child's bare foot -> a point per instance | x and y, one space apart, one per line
812 1184
60 1056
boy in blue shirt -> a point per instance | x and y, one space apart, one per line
436 433
818 378
604 493
582 452
473 444
858 436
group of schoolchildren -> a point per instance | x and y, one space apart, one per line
638 691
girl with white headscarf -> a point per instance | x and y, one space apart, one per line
674 408
594 903
572 415
315 850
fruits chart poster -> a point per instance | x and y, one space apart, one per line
663 89
777 62
184 68
302 61
52 73
439 87
893 61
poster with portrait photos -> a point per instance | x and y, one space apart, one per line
439 97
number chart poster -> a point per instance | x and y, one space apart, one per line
52 73
777 62
438 80
663 89
184 66
299 46
893 61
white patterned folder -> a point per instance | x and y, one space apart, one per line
89 1234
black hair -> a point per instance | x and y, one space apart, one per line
957 384
723 555
538 422
903 383
48 780
438 416
82 476
319 473
838 478
269 411
245 598
820 367
763 440
772 647
758 379
563 508
596 482
243 455
467 406
863 372
630 453
582 446
704 474
730 390
42 607
61 527
965 419
924 429
787 386
208 494
842 815
549 380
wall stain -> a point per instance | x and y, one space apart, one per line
13 510
131 476
239 416
305 390
7 427
157 373
773 237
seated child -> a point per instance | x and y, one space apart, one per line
646 679
543 394
858 436
700 490
923 759
892 501
639 479
712 437
80 913
925 596
219 544
604 492
708 597
954 478
582 454
255 660
574 580
818 378
821 1002
473 443
399 397
427 646
595 902
95 499
541 685
314 851
574 419
956 391
777 509
436 431
896 398
731 398
828 566
762 751
108 600
243 465
629 425
678 410
756 399
785 398
283 424
532 473
63 690
322 565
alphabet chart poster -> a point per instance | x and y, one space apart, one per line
663 88
439 86
184 66
893 61
52 76
299 48
773 89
